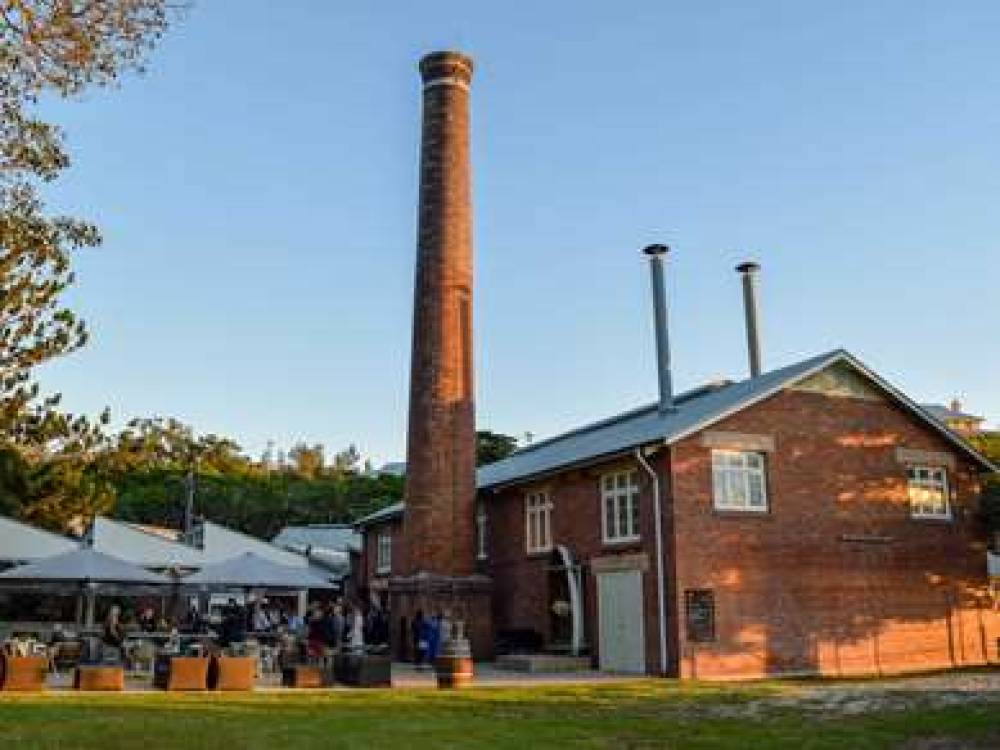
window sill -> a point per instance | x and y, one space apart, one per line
742 512
622 541
383 571
933 519
533 553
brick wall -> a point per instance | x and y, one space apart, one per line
522 582
836 578
369 552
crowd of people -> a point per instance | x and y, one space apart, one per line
332 626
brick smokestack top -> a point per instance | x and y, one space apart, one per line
440 454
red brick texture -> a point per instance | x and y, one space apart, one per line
836 578
523 585
440 460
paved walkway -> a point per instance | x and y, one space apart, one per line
408 676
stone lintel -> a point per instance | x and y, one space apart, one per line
740 441
912 456
614 563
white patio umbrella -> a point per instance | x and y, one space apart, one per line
250 571
85 571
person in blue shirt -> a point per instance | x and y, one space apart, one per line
433 637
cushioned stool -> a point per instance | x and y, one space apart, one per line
99 677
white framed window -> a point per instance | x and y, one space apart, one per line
383 553
739 481
927 488
538 521
620 503
481 551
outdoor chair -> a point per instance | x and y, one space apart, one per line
232 673
23 673
171 672
99 677
302 676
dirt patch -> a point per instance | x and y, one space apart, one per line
990 742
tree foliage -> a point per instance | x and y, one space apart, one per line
493 446
60 48
151 458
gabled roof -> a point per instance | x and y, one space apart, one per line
693 412
20 542
219 543
321 536
140 547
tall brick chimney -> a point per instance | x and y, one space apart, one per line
438 573
440 452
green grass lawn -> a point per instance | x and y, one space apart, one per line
641 714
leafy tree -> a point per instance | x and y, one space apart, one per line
307 460
56 47
493 446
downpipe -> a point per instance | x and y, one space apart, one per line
660 592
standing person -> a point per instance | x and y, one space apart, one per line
417 634
433 638
333 627
357 642
315 635
147 620
113 635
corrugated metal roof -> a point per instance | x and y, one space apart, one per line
694 411
20 542
328 536
139 547
390 511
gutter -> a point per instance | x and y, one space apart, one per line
660 589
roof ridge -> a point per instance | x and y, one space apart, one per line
681 398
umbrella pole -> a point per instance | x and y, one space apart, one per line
91 602
79 609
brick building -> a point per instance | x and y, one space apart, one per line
813 520
809 519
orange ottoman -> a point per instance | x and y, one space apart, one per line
233 673
181 673
23 673
302 676
99 677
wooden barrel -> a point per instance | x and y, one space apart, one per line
453 671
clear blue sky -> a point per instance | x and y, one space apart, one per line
257 191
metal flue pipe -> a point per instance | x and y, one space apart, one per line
656 254
749 271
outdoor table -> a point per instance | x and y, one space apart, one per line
175 672
232 673
23 673
102 677
302 676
